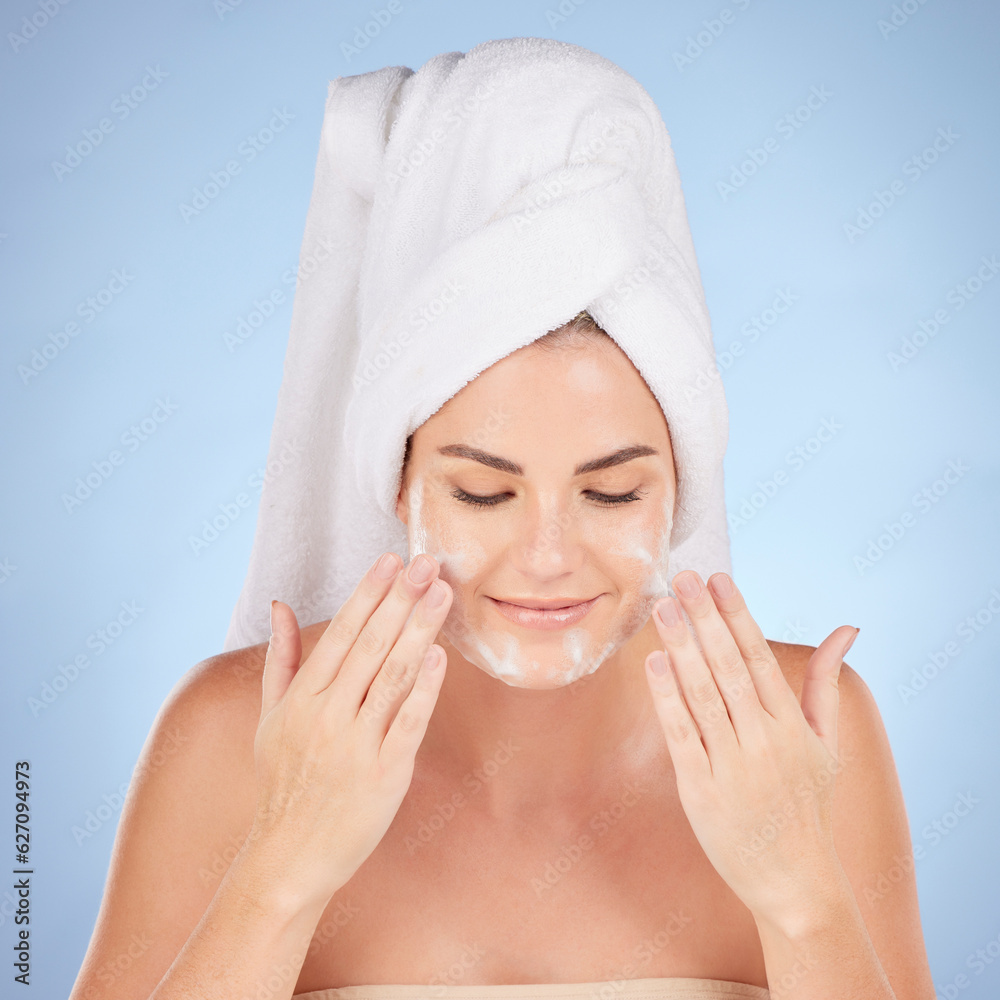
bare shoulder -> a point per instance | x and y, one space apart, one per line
218 702
871 827
187 812
233 678
226 688
859 714
793 658
862 742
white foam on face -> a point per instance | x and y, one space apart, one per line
637 546
464 558
460 564
658 583
653 553
576 646
505 667
503 655
498 651
417 532
575 643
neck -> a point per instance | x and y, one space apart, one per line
527 750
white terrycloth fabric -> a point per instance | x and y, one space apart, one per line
458 213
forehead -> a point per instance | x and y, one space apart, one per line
588 386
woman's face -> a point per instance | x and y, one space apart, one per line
537 435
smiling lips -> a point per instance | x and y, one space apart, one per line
556 613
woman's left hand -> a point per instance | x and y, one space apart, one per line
755 770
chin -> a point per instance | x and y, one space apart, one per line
544 659
562 658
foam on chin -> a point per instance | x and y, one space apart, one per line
499 652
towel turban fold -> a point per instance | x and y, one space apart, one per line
458 213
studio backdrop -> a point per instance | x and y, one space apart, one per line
839 167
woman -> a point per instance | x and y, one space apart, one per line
482 777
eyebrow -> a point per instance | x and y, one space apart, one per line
506 465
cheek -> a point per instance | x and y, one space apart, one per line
462 556
634 554
643 548
455 547
416 530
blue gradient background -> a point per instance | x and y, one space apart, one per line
67 574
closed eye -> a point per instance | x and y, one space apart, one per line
605 499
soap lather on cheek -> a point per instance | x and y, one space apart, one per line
418 536
463 560
659 580
649 549
501 658
638 544
460 560
498 652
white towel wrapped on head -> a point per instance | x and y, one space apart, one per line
463 211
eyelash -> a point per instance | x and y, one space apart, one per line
604 499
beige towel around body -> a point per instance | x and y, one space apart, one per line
619 989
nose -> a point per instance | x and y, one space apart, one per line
548 543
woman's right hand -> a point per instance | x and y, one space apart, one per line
337 737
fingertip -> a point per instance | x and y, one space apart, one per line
851 640
657 663
722 585
386 566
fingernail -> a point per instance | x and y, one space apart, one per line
722 585
272 615
420 569
851 643
435 596
667 613
386 566
658 663
689 586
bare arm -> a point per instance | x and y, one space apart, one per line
871 832
277 788
169 902
251 941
